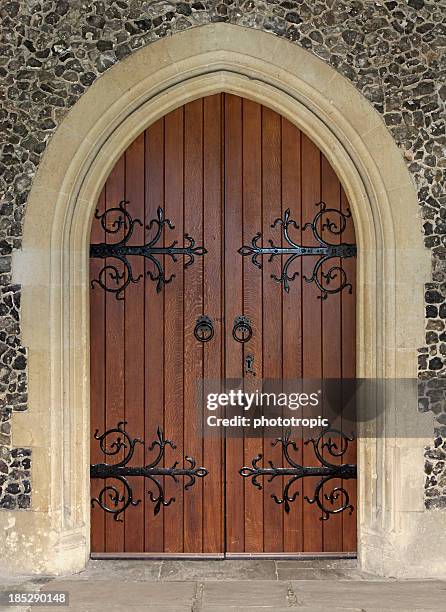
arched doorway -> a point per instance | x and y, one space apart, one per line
220 169
396 535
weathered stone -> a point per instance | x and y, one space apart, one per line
435 325
20 362
8 502
423 404
52 52
433 297
13 488
293 18
416 4
431 312
23 501
431 337
20 452
436 453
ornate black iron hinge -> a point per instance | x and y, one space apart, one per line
115 439
326 251
338 496
114 281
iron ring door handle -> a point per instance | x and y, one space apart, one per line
204 329
242 330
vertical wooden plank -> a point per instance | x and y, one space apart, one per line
213 460
292 314
272 313
312 328
134 342
173 327
233 307
331 341
154 327
252 300
114 357
193 308
349 522
97 377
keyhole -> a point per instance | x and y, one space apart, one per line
249 363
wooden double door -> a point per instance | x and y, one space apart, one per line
220 169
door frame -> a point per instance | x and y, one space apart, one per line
52 268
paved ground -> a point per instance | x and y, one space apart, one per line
218 586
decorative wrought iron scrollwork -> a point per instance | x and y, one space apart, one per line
338 496
110 278
111 442
242 330
204 329
324 280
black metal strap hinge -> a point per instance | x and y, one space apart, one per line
110 278
338 497
328 281
110 499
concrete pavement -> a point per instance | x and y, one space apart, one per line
233 586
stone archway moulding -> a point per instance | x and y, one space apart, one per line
397 536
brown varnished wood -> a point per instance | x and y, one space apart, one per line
134 365
174 326
213 355
154 326
252 302
193 308
233 167
97 376
311 328
272 312
292 313
331 341
114 355
223 168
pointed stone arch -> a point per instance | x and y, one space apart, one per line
52 268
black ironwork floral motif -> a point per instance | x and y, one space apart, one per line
324 280
111 442
338 497
117 218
